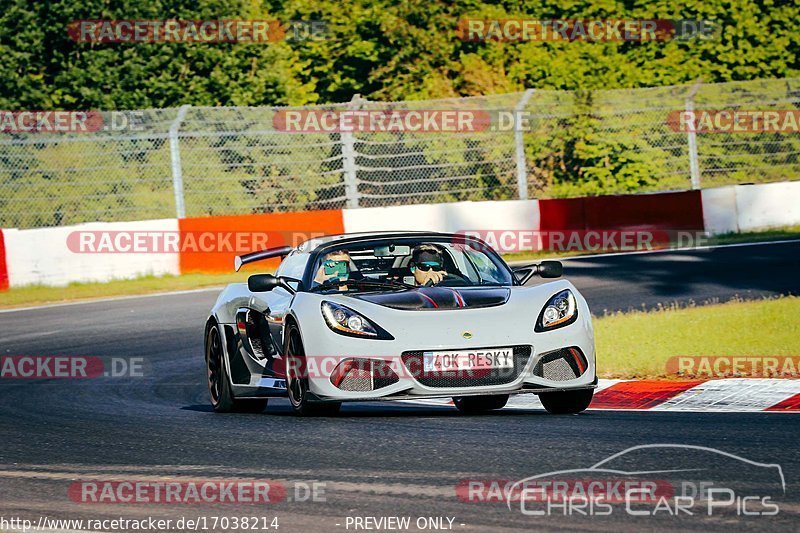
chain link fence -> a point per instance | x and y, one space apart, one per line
200 161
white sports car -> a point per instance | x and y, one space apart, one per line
398 315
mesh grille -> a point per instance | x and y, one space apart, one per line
466 378
559 370
558 366
357 380
369 375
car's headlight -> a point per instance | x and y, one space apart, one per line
561 310
345 321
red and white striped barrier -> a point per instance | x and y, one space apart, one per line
42 255
3 267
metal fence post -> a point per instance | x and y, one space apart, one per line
349 160
694 164
522 168
175 157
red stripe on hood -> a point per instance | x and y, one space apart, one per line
459 299
431 300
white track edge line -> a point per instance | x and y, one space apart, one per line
110 299
661 250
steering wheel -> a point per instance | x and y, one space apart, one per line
451 280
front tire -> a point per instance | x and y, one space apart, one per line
480 404
219 384
566 402
297 379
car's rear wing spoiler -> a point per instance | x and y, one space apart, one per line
269 253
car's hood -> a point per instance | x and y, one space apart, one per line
423 298
509 324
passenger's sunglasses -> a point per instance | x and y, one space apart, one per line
429 265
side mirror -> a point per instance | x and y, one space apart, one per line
551 269
545 269
263 282
523 274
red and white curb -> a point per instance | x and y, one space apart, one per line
718 395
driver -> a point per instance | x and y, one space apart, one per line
336 265
427 264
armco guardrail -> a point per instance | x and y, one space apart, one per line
201 161
54 256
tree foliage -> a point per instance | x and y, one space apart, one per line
382 49
592 141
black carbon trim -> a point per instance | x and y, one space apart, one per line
240 374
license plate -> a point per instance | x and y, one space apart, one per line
468 360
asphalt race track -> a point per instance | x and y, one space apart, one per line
625 281
375 459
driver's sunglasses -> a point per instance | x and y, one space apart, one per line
429 265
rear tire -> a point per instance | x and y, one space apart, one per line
219 384
480 404
297 379
566 402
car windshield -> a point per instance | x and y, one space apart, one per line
405 263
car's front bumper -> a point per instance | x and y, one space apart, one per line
509 325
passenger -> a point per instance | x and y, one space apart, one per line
427 264
335 266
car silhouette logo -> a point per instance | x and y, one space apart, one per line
467 334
